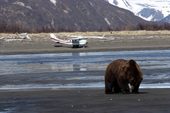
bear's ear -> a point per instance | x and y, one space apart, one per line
132 63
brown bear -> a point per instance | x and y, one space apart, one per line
123 76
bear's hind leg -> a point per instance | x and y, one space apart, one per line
116 88
108 88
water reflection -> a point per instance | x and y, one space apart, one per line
15 64
64 62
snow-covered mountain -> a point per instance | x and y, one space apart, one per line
166 19
151 10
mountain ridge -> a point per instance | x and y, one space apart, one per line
64 15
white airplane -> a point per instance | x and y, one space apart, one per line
77 42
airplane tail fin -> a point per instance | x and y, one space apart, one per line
54 38
103 36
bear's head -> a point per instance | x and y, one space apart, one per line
133 74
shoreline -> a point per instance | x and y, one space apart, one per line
81 50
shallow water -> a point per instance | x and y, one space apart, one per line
78 70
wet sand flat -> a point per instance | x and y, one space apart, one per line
84 101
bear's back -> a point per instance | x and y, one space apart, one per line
115 68
117 65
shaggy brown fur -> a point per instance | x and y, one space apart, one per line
123 76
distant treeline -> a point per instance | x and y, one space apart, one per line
154 26
4 28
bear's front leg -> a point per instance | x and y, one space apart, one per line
136 89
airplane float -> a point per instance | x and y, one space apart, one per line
77 42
